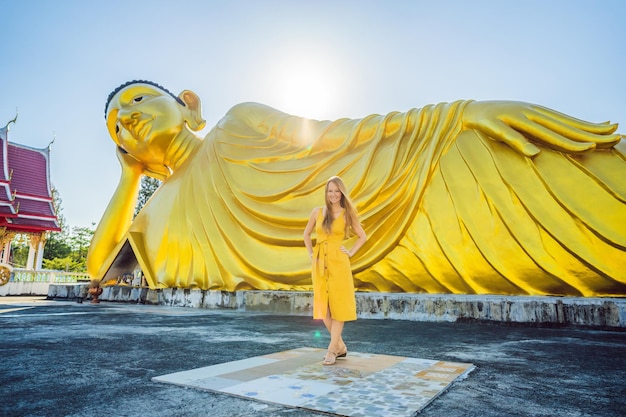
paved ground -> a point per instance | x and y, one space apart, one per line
70 359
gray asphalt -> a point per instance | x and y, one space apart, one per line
63 358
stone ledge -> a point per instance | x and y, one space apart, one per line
602 313
24 288
567 311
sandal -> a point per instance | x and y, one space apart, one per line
341 354
330 358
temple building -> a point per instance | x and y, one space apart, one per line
25 198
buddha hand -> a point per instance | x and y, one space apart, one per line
133 167
130 165
518 124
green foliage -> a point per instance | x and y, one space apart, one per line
66 250
79 241
57 249
57 246
19 251
57 205
64 264
148 186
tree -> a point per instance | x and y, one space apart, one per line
148 186
57 245
80 239
64 264
57 205
65 250
19 251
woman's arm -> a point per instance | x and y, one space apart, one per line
362 237
308 243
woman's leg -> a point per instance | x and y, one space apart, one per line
336 342
335 329
336 346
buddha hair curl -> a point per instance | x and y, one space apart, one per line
114 92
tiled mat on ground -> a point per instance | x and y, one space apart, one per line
362 384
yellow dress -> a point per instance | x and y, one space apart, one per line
333 285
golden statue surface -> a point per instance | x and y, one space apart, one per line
498 197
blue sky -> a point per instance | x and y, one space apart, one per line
317 59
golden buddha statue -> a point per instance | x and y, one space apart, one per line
494 197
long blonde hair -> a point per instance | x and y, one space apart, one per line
351 215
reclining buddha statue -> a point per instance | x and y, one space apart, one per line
468 197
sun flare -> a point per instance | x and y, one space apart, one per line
309 85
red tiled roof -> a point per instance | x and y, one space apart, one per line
25 190
7 209
30 170
32 207
23 224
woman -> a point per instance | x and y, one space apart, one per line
333 286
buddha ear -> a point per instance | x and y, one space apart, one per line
193 110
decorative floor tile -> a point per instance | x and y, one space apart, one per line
184 377
363 384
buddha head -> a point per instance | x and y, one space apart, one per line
144 119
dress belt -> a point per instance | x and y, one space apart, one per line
320 254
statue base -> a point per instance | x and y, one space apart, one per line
599 313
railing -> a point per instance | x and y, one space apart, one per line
26 275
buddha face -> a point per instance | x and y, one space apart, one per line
143 120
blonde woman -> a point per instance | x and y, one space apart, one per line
333 287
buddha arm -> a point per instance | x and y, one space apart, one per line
117 217
510 122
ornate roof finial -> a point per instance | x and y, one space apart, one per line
12 121
54 137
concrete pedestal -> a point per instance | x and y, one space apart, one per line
603 313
